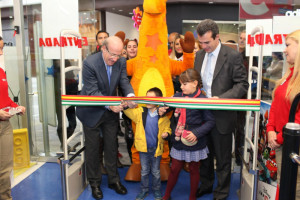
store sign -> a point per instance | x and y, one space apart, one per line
293 13
265 39
63 42
274 33
264 9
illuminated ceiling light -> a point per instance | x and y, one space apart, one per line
120 10
10 17
130 13
210 2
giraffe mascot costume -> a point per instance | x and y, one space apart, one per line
152 67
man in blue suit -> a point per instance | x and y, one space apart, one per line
103 72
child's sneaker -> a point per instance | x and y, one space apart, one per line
141 196
157 195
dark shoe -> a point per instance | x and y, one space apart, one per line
219 199
96 192
120 133
118 187
200 192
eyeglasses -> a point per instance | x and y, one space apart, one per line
112 55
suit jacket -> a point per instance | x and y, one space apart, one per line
230 80
95 82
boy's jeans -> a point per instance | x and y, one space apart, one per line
150 163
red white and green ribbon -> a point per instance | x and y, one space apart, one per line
177 102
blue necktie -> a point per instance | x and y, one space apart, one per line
208 75
108 70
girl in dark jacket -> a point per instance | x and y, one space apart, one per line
190 137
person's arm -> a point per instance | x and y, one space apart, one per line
239 78
271 134
177 67
207 125
166 132
4 115
167 123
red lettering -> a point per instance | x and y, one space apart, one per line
75 41
268 39
70 40
259 38
84 41
284 35
79 43
56 42
63 42
48 42
277 39
41 42
250 41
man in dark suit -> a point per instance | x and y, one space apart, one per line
103 72
223 76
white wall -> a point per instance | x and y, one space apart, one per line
115 23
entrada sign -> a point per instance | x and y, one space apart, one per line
262 39
63 42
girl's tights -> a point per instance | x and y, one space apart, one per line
176 167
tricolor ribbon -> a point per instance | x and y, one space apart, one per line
177 102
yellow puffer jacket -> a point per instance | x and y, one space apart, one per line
138 116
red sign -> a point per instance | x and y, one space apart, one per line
63 42
262 39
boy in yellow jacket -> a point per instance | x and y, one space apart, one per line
149 142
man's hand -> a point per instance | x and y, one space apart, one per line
116 109
131 104
272 140
162 110
215 97
4 115
188 44
164 135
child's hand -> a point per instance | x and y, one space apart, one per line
164 135
162 110
191 137
124 104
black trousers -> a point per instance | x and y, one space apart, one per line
108 125
219 145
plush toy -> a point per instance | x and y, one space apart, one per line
152 67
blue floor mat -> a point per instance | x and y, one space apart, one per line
45 184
